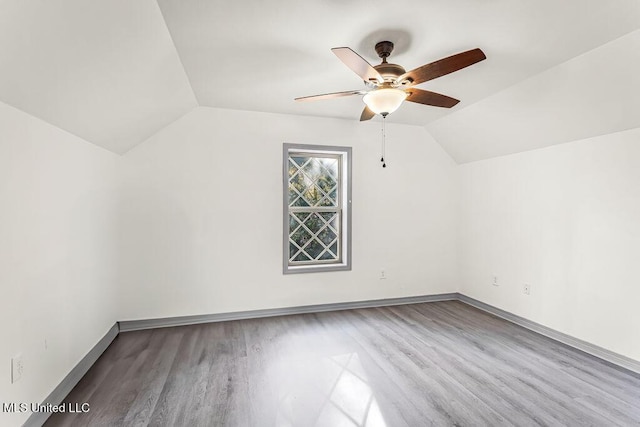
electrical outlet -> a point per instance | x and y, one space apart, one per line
382 275
527 289
17 368
495 281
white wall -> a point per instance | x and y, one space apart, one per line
566 220
56 253
201 216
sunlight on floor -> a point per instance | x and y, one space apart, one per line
333 393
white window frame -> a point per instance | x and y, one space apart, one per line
344 189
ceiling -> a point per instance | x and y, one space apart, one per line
116 71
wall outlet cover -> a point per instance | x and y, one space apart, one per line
17 368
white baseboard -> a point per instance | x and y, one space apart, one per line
135 325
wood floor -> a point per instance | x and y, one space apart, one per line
442 364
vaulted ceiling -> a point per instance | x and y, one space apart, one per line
114 72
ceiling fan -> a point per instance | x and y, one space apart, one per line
388 85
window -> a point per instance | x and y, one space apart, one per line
317 208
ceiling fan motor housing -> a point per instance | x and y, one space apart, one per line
389 72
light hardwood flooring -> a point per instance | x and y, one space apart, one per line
441 364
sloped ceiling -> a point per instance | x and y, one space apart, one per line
594 94
114 72
104 70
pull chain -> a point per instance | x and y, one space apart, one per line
384 137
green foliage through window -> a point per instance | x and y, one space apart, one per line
314 208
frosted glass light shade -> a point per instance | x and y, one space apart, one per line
384 101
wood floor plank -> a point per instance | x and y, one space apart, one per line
433 401
489 393
164 346
519 375
442 363
480 359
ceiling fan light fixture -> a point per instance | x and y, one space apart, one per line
384 101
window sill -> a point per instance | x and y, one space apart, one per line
315 268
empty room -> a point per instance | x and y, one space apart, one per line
320 213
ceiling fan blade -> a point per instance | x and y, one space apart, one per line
358 64
367 114
430 98
330 95
443 66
